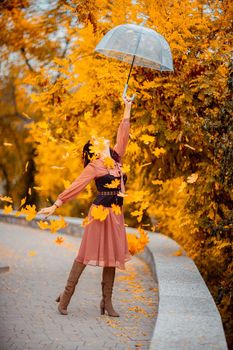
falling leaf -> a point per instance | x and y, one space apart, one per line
26 115
38 188
32 253
59 240
99 212
192 178
109 162
57 167
137 244
136 213
23 201
186 145
26 166
30 212
7 209
98 145
56 225
116 208
178 252
44 225
146 164
6 199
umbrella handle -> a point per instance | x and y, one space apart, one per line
124 93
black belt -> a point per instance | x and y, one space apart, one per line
108 192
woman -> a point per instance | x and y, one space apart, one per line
104 242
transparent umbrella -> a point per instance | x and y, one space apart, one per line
137 45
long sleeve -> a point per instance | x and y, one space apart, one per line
122 137
77 185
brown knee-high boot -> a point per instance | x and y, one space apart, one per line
107 288
64 298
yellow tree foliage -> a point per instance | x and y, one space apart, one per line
180 148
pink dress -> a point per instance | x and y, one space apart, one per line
104 243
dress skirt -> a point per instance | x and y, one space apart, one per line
104 243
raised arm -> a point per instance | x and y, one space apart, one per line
123 132
88 173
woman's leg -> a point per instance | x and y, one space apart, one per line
64 298
107 283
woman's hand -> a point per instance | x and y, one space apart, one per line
127 101
48 210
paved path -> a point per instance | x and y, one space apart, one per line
29 317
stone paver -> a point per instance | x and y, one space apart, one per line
29 315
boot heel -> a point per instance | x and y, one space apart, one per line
102 307
58 299
102 310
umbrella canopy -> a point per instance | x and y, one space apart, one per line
149 47
137 45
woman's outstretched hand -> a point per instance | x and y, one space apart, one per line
127 101
48 210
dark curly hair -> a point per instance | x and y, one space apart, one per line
87 154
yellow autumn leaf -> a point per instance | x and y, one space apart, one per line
145 164
97 145
32 253
137 244
109 162
147 138
23 201
26 166
178 252
114 184
116 208
7 209
59 240
6 199
136 213
192 178
44 225
57 167
26 115
56 225
158 151
29 211
38 188
99 212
